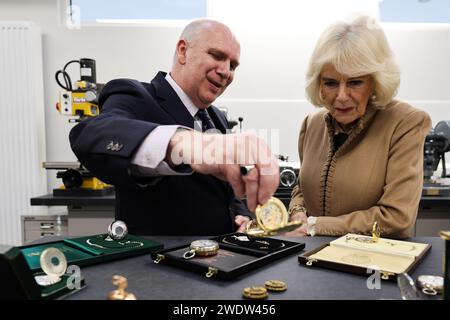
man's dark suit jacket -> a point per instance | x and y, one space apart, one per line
196 204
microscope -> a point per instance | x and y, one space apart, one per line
437 143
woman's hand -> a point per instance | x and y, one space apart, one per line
302 230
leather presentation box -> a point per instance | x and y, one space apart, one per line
238 253
361 255
20 265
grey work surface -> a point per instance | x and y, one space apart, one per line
148 280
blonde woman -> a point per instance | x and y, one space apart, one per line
362 155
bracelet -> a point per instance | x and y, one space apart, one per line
297 208
311 224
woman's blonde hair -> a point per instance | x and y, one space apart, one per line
355 49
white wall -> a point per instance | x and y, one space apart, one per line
277 38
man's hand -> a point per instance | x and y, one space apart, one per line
222 155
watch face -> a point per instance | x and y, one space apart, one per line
199 244
272 215
287 178
117 230
53 262
202 247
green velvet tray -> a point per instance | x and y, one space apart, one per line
60 289
20 265
19 280
90 250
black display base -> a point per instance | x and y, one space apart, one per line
79 192
234 258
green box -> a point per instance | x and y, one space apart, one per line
79 252
19 265
18 279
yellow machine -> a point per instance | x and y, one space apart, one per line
78 102
81 101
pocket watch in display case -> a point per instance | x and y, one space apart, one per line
202 248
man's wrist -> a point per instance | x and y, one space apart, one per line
189 146
177 150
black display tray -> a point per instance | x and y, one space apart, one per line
233 259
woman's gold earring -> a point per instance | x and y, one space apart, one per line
373 97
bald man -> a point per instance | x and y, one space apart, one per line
165 149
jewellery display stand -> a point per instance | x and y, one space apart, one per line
358 253
238 253
90 250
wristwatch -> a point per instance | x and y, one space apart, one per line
431 285
202 248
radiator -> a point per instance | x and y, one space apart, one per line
22 129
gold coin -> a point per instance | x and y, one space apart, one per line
275 285
255 293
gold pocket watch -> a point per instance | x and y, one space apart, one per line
202 248
271 218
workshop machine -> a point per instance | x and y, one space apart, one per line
437 143
78 101
289 173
